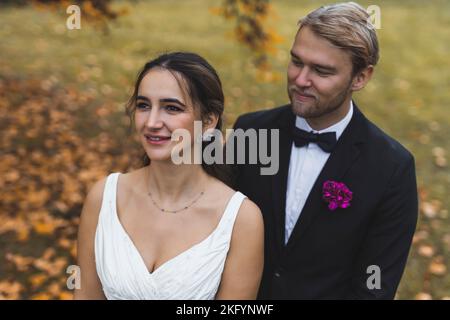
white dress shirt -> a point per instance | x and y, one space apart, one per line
305 165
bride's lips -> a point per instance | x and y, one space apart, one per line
156 139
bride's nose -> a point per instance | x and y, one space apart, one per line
154 120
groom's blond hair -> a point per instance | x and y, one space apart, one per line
347 26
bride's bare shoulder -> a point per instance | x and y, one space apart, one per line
219 190
129 181
249 213
92 205
94 197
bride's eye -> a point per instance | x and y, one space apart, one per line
173 108
141 105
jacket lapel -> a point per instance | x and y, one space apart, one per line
343 156
285 124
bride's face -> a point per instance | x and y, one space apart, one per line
161 108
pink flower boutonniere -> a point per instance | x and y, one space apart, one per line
336 194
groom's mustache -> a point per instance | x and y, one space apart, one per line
302 92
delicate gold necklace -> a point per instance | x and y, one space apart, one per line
172 211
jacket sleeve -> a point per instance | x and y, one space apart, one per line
386 246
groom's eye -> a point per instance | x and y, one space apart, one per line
322 72
298 63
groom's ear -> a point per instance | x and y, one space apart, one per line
362 78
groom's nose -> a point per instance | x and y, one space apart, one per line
303 77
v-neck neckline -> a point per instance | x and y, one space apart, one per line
182 253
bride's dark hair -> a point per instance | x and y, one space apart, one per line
202 84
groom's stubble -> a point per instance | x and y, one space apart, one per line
318 109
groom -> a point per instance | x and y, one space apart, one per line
341 211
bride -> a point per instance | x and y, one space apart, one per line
168 231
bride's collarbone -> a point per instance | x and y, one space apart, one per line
143 218
136 210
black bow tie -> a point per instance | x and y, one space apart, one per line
326 141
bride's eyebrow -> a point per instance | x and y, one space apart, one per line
142 98
173 100
170 100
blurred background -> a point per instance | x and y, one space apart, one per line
63 123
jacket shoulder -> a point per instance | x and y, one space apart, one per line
261 118
393 150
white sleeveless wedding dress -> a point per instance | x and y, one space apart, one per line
192 274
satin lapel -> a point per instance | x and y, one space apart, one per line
344 155
279 181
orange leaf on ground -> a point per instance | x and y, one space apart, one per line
41 296
437 267
426 251
423 296
10 290
37 280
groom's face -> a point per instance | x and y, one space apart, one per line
319 76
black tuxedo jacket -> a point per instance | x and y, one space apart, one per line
329 253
